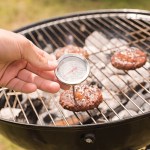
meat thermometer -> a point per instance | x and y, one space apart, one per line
72 69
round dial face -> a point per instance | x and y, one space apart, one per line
72 69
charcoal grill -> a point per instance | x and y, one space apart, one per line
37 121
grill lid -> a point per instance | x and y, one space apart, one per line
126 93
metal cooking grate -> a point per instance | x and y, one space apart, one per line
131 27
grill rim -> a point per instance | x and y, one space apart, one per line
80 127
92 12
82 13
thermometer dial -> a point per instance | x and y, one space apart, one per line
72 69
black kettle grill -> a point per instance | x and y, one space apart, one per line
37 121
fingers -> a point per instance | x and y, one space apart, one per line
45 81
36 56
21 86
49 75
14 46
9 80
25 87
15 53
41 83
10 71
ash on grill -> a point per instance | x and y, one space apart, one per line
125 93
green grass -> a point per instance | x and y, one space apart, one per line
7 145
17 13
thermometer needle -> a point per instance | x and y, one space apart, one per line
70 71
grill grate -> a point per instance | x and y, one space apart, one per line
130 27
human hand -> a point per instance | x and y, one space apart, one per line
24 67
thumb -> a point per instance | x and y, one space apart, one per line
38 57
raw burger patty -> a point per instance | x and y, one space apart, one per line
86 98
71 49
129 59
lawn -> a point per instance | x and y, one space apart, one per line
17 13
7 145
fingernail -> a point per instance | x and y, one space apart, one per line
52 63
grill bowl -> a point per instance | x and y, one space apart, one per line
130 133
